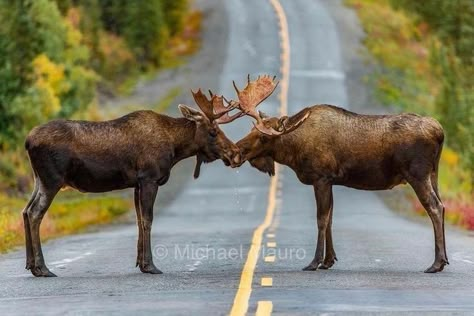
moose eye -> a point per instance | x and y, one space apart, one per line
213 133
263 138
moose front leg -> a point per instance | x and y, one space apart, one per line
323 193
330 256
147 196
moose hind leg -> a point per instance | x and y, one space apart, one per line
140 227
35 215
30 260
428 197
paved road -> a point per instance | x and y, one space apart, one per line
202 237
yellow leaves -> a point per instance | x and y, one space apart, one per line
50 102
75 51
450 157
73 35
49 83
45 70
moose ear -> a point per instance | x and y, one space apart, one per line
190 113
282 123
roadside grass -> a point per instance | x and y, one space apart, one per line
405 78
70 213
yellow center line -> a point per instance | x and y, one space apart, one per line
264 308
267 281
271 244
285 55
241 300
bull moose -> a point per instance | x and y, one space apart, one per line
136 151
326 145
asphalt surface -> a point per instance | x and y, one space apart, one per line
201 236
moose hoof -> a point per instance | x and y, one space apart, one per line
311 267
42 272
327 264
435 268
150 269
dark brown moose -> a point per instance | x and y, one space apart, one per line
136 151
326 145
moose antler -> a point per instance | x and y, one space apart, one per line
214 108
253 94
223 111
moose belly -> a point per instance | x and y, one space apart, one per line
99 176
371 177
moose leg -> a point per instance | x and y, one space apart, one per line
139 225
322 192
147 194
330 257
30 260
428 197
434 183
35 215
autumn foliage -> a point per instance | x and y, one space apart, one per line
423 63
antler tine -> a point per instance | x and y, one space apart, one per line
218 106
255 93
227 119
214 109
203 103
251 96
235 87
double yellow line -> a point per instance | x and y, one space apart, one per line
241 300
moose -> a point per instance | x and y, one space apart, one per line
136 151
326 145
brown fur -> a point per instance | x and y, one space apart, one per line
137 151
334 146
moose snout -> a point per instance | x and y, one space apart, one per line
231 156
234 157
236 161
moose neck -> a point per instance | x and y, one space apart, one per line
184 139
285 150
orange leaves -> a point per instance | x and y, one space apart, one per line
115 56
